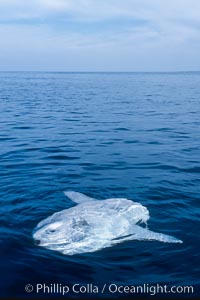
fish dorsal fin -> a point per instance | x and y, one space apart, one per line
78 197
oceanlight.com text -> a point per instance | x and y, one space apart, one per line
111 288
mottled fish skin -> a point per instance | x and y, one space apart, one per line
94 224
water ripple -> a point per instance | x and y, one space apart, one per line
128 135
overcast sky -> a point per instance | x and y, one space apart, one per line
100 35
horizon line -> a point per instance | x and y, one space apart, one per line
43 71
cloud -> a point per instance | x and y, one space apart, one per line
126 34
101 9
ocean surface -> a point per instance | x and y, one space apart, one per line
107 135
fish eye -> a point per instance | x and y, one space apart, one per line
50 230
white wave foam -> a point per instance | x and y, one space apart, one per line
95 224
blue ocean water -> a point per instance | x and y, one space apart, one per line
133 135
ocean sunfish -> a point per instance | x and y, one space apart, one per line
95 224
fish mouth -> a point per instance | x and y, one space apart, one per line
37 242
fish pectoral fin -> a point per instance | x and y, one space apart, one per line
78 197
80 222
